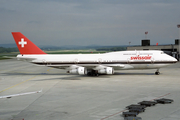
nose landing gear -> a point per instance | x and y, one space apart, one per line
157 72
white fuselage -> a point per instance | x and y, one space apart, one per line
116 60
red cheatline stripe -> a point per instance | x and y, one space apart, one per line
126 109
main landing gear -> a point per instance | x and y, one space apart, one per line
93 73
157 72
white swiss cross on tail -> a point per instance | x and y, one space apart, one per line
22 43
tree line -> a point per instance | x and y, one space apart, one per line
112 49
8 50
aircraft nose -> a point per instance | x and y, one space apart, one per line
174 59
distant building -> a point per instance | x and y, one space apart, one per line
172 49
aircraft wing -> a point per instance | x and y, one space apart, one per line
20 94
116 66
110 65
95 66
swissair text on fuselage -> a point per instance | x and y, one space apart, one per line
141 58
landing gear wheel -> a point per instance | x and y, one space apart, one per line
95 74
89 73
157 73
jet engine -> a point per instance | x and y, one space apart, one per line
107 70
79 70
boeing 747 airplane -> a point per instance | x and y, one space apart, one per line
92 64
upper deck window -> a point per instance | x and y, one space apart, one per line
146 53
129 54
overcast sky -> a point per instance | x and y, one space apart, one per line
90 22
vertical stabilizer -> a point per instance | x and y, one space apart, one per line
24 45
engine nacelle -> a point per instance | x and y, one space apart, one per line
79 70
107 70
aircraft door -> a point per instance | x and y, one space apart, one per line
137 53
76 61
128 61
152 60
99 60
44 62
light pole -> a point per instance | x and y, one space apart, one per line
146 34
179 39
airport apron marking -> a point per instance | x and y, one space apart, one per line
21 82
17 84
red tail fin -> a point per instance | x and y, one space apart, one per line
24 45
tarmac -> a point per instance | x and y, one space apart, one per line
76 97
